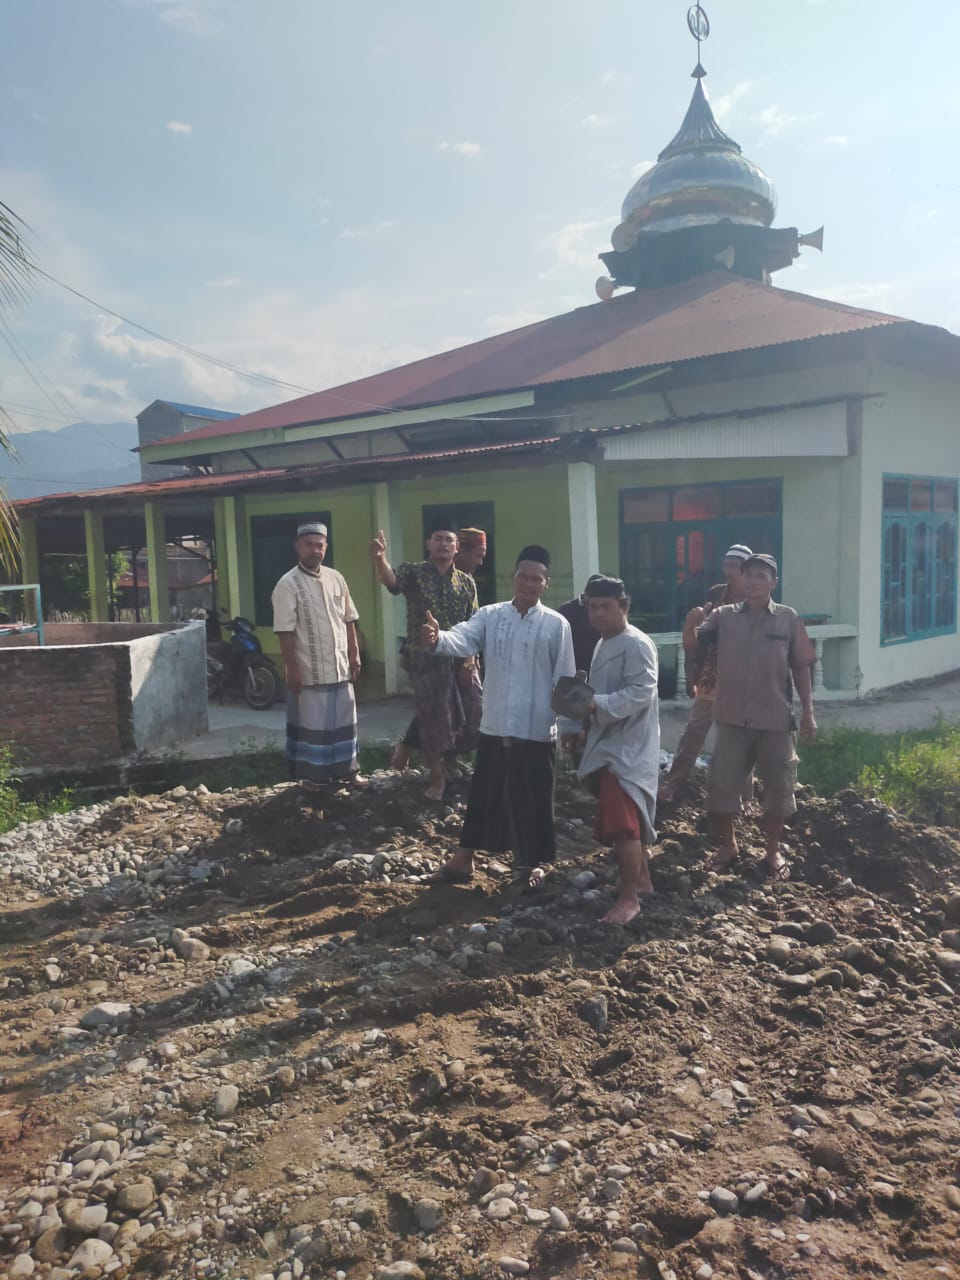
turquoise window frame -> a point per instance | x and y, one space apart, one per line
916 567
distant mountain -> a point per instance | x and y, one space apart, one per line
86 455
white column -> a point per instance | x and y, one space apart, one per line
584 537
392 609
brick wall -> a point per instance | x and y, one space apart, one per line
66 707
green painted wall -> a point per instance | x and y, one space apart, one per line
913 429
531 504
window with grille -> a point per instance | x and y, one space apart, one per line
919 565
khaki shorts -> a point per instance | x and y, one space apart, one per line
736 751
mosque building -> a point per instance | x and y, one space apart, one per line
695 405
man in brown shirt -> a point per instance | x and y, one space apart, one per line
702 674
759 644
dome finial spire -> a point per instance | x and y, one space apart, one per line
699 27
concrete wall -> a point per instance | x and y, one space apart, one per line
89 704
168 685
914 429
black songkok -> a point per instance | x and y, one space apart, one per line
604 588
442 524
540 555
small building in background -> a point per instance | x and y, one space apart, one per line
165 418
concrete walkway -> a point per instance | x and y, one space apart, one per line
234 727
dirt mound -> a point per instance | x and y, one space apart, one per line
243 1037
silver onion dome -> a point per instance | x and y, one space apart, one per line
700 178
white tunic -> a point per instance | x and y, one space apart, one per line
624 733
524 657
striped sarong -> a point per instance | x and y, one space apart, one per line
322 733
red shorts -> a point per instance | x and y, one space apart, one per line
617 815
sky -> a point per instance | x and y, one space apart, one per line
316 190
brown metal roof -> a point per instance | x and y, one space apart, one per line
707 316
189 486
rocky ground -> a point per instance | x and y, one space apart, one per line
241 1038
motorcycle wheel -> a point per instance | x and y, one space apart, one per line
260 686
214 679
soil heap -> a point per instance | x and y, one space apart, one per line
242 1037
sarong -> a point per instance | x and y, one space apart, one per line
618 814
447 712
470 690
322 733
510 805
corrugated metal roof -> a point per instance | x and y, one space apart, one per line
198 411
193 485
708 316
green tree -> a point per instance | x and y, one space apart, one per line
15 269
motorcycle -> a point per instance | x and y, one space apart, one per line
239 665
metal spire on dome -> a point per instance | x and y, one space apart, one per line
699 127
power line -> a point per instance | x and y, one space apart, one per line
180 346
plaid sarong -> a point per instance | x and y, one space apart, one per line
448 711
322 733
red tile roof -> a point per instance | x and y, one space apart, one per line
190 485
708 316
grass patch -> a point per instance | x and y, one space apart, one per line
919 767
921 780
15 807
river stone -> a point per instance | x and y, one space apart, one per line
107 1014
400 1271
49 1246
92 1253
724 1201
428 1214
136 1196
501 1208
21 1267
226 1100
83 1219
558 1219
513 1266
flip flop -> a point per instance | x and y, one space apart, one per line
531 879
721 864
775 873
450 875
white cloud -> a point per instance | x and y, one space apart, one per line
575 246
368 233
596 121
613 76
223 282
194 17
774 121
179 126
469 150
640 168
832 142
724 104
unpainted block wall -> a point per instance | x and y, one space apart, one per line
67 707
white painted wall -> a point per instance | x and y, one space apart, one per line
914 429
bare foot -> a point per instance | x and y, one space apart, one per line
456 870
435 791
622 911
401 756
645 888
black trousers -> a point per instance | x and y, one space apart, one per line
510 805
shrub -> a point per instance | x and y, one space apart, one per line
921 780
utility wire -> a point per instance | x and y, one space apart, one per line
180 346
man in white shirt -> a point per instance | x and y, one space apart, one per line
526 649
316 623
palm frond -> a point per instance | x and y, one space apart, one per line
16 265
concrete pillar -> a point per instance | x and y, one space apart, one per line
30 561
584 535
96 566
391 610
221 593
157 561
236 558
